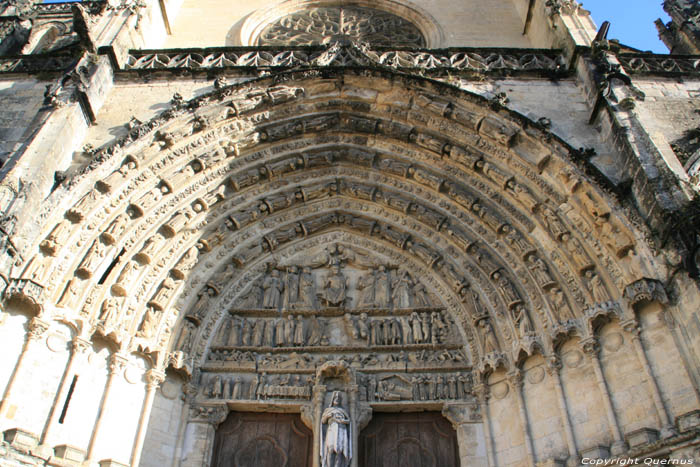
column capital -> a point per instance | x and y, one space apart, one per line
590 347
515 377
154 378
80 345
554 365
37 328
117 363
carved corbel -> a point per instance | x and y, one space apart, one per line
645 290
26 291
210 415
307 415
460 414
364 416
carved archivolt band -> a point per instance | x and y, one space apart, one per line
511 236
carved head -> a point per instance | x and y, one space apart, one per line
337 398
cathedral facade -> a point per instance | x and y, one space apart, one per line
347 233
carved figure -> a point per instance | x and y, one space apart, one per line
292 287
315 331
54 241
299 332
403 291
81 208
116 228
488 337
596 287
186 263
234 338
289 330
186 339
523 195
561 308
216 389
279 333
334 288
336 444
109 316
540 271
506 287
576 252
150 247
553 223
92 260
150 198
365 286
417 328
272 290
257 333
199 310
70 295
516 241
382 291
162 296
149 323
116 177
522 321
406 331
420 295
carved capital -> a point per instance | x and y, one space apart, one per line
483 392
459 414
515 378
117 363
37 329
590 347
154 378
80 345
649 290
554 365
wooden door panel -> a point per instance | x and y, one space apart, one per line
422 439
262 440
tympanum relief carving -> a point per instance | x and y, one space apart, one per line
335 304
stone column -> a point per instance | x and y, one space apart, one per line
515 378
483 394
153 380
79 347
198 443
467 422
189 392
318 398
37 330
353 393
117 363
667 429
554 369
590 347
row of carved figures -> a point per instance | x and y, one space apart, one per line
418 387
296 287
418 328
270 332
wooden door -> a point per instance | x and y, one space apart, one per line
262 440
424 439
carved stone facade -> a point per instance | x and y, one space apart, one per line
305 249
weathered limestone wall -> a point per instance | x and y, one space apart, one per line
470 25
165 424
20 100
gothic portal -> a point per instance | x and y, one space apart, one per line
345 234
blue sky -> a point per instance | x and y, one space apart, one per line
631 21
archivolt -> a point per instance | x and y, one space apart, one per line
489 206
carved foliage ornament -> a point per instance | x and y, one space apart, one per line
339 24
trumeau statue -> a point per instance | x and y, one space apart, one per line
336 445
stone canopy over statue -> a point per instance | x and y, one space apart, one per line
336 444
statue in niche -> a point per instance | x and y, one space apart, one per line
315 331
334 288
109 316
522 321
92 260
596 287
81 208
55 239
116 228
186 263
336 441
382 288
307 288
540 271
365 286
272 290
523 195
488 337
292 287
516 241
402 291
420 295
70 295
149 324
576 251
561 308
116 177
